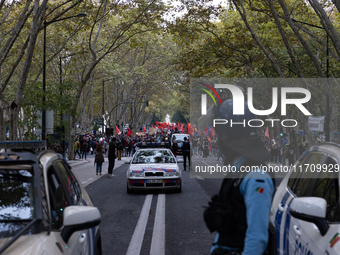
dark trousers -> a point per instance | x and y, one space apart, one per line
185 155
75 153
111 165
84 152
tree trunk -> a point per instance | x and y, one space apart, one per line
2 125
72 139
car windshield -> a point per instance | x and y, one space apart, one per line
179 138
153 156
16 199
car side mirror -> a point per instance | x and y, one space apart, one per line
78 218
311 209
180 160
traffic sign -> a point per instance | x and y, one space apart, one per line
283 140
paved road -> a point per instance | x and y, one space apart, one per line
85 170
151 223
155 223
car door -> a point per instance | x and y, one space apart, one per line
288 229
327 186
302 237
64 191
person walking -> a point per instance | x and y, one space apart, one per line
174 148
291 153
77 148
247 196
111 156
119 150
84 149
186 153
99 158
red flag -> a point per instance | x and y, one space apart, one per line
267 132
129 132
189 129
210 147
117 130
143 128
213 132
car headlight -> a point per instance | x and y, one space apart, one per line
133 174
171 173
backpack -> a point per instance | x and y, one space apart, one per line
219 214
99 158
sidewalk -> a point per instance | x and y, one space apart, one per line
86 174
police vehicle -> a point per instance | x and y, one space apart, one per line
153 168
43 207
179 139
305 210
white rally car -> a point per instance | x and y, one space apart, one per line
153 168
305 215
44 209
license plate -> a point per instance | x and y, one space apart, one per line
155 181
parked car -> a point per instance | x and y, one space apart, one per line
153 168
44 209
305 216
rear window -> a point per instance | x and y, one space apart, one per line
179 138
153 156
17 200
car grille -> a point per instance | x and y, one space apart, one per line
154 184
138 184
170 184
154 173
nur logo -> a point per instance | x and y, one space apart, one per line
204 98
238 99
238 105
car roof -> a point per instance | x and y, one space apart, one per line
326 147
153 149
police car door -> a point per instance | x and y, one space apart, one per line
294 234
304 237
63 192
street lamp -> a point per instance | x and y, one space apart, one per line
46 23
327 121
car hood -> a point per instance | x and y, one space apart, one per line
153 167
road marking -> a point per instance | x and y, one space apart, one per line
205 163
158 235
138 235
199 177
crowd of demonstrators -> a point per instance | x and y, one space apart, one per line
206 146
119 146
282 153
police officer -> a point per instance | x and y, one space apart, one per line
244 229
186 152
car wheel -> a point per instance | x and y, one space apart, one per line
179 190
129 191
99 246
